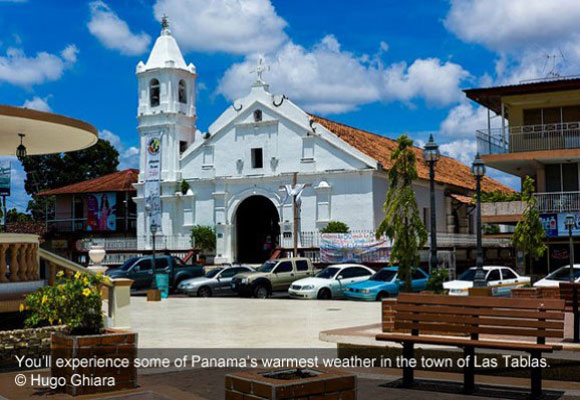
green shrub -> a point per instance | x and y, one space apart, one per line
335 227
184 187
436 279
203 237
75 302
497 196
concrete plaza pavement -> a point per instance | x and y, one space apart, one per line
231 322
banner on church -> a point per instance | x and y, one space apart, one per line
354 247
152 179
5 172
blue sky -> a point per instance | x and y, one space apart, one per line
384 66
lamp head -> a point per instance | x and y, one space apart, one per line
431 151
570 221
478 167
21 149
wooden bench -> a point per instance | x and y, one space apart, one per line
509 318
570 293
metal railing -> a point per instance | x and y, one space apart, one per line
80 224
565 135
558 202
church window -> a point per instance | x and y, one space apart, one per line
154 92
182 92
257 158
182 146
258 116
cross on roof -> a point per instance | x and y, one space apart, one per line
260 68
164 22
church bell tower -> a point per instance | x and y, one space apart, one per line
166 105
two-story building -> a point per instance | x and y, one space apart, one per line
238 169
98 211
534 129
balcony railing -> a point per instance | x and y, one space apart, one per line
80 224
524 138
558 202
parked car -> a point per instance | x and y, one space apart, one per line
216 282
500 278
272 276
330 282
139 270
385 283
560 275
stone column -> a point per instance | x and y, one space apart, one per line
22 262
14 273
119 303
29 248
35 261
3 248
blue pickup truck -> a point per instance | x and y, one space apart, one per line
139 270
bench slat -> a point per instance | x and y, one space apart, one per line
458 310
455 342
483 302
447 327
488 321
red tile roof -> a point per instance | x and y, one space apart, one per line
447 169
121 181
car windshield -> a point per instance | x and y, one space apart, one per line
384 275
467 276
128 263
328 273
563 274
213 272
268 266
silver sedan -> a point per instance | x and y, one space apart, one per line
216 282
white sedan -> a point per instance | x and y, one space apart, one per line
559 275
330 282
501 279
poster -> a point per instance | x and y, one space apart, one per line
152 190
101 212
354 247
5 177
550 224
562 230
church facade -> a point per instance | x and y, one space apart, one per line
239 169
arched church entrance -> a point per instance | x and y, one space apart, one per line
257 229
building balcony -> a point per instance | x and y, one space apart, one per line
558 202
79 225
502 212
527 138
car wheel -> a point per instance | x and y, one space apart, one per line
261 292
383 295
204 291
324 294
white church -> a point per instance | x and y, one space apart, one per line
238 169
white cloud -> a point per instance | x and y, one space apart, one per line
38 103
327 79
504 25
463 150
113 32
465 119
436 82
18 69
232 26
128 156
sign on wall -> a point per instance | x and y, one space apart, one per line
555 224
354 247
152 189
5 172
101 212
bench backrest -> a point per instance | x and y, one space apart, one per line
567 292
444 315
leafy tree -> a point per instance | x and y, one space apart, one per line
203 237
529 234
436 279
335 227
13 215
402 222
55 170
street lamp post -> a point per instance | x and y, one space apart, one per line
478 171
570 224
431 156
153 230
